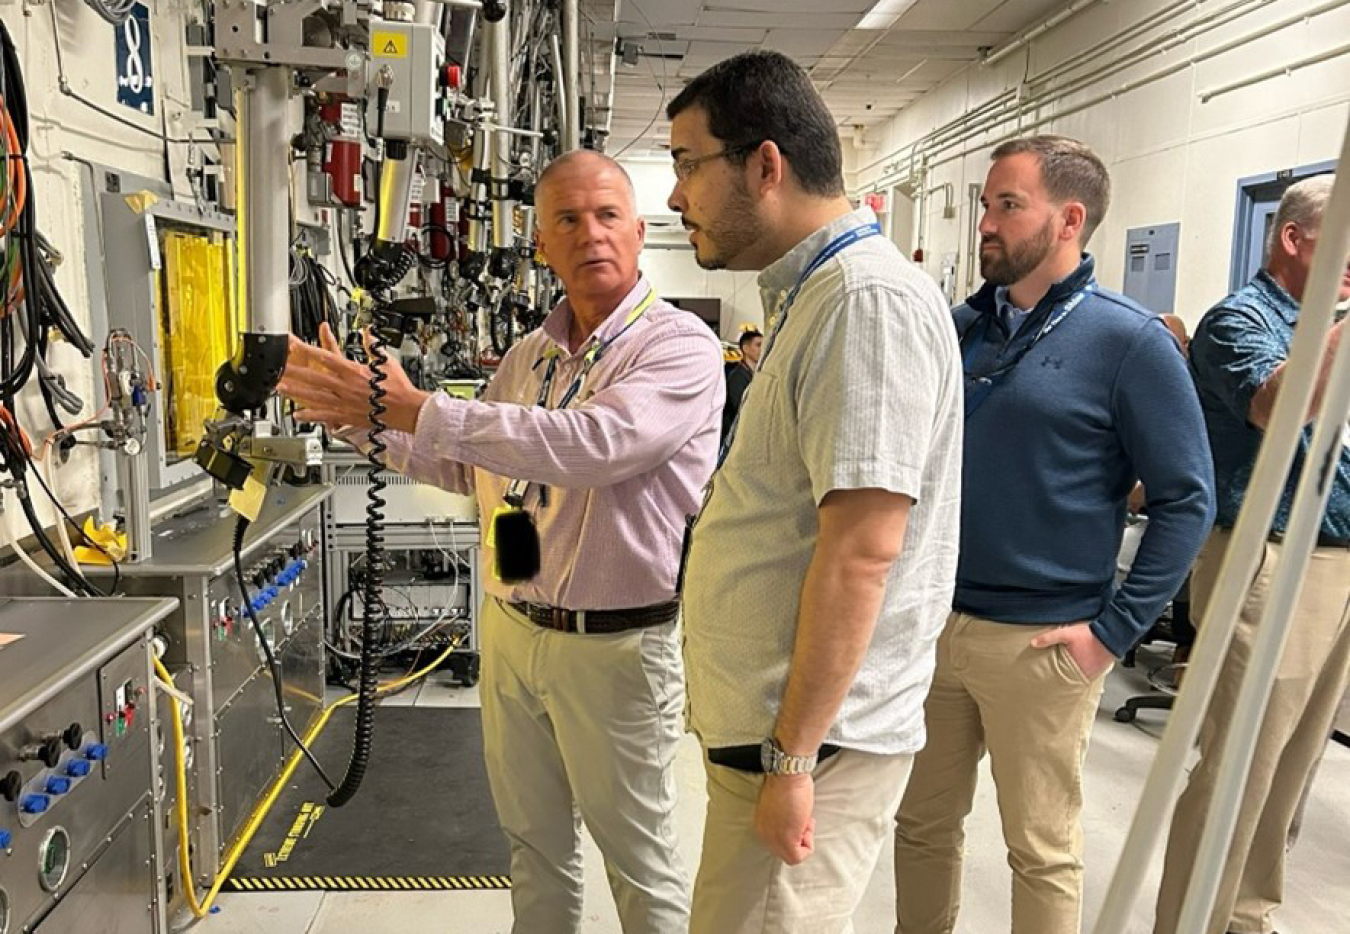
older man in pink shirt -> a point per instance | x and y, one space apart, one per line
582 687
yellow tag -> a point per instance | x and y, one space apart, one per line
389 45
248 501
491 539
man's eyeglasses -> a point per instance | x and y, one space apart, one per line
684 168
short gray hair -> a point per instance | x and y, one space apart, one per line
1303 204
1070 171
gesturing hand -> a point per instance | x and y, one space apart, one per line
335 391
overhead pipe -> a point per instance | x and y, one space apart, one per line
1033 103
1035 32
1275 72
572 69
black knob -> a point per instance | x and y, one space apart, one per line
11 785
259 580
74 736
50 753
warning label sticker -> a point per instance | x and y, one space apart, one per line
300 827
389 45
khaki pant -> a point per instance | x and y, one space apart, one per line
584 727
742 888
1311 680
1032 709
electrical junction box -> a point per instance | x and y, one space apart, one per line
1151 266
413 54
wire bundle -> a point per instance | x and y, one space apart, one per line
312 301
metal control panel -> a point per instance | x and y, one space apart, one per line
234 741
76 766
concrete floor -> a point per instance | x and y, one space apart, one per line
1318 884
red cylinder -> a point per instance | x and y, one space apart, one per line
342 154
441 242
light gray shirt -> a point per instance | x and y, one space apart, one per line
860 389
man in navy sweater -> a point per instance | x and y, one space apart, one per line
1065 383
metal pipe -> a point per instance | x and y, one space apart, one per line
1310 502
478 192
560 92
1269 476
503 209
973 233
572 70
1035 31
1129 86
613 73
264 219
1275 72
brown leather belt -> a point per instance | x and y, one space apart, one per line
598 622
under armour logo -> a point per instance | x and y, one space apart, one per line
1056 362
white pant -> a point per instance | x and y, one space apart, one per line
742 888
584 727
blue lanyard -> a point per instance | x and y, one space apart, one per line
831 250
980 385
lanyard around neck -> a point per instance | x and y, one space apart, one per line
518 488
980 385
831 250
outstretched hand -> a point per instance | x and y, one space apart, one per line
334 391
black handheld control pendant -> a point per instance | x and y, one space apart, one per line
517 543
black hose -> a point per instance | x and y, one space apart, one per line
373 582
240 527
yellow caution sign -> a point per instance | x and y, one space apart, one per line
389 45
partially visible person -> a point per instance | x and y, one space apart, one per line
821 568
739 375
1239 356
1064 385
1177 327
582 691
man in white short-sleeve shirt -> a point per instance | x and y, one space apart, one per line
821 568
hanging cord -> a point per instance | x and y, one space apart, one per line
240 528
372 592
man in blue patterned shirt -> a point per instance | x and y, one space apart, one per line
1238 356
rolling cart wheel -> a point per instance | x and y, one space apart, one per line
1125 715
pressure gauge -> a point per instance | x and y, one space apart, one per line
132 446
54 859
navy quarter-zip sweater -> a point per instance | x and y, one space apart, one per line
1053 450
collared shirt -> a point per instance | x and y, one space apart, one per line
1237 346
1009 314
625 463
860 389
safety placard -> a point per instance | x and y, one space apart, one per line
389 45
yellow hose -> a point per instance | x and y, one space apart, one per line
202 908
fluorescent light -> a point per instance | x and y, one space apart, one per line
885 14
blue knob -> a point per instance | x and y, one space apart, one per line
77 768
57 785
5 839
96 752
271 593
34 804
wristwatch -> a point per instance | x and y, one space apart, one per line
777 762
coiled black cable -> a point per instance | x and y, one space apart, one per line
241 525
372 592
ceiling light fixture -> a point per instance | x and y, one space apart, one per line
885 13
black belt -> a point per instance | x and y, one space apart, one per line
598 622
747 758
1324 540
